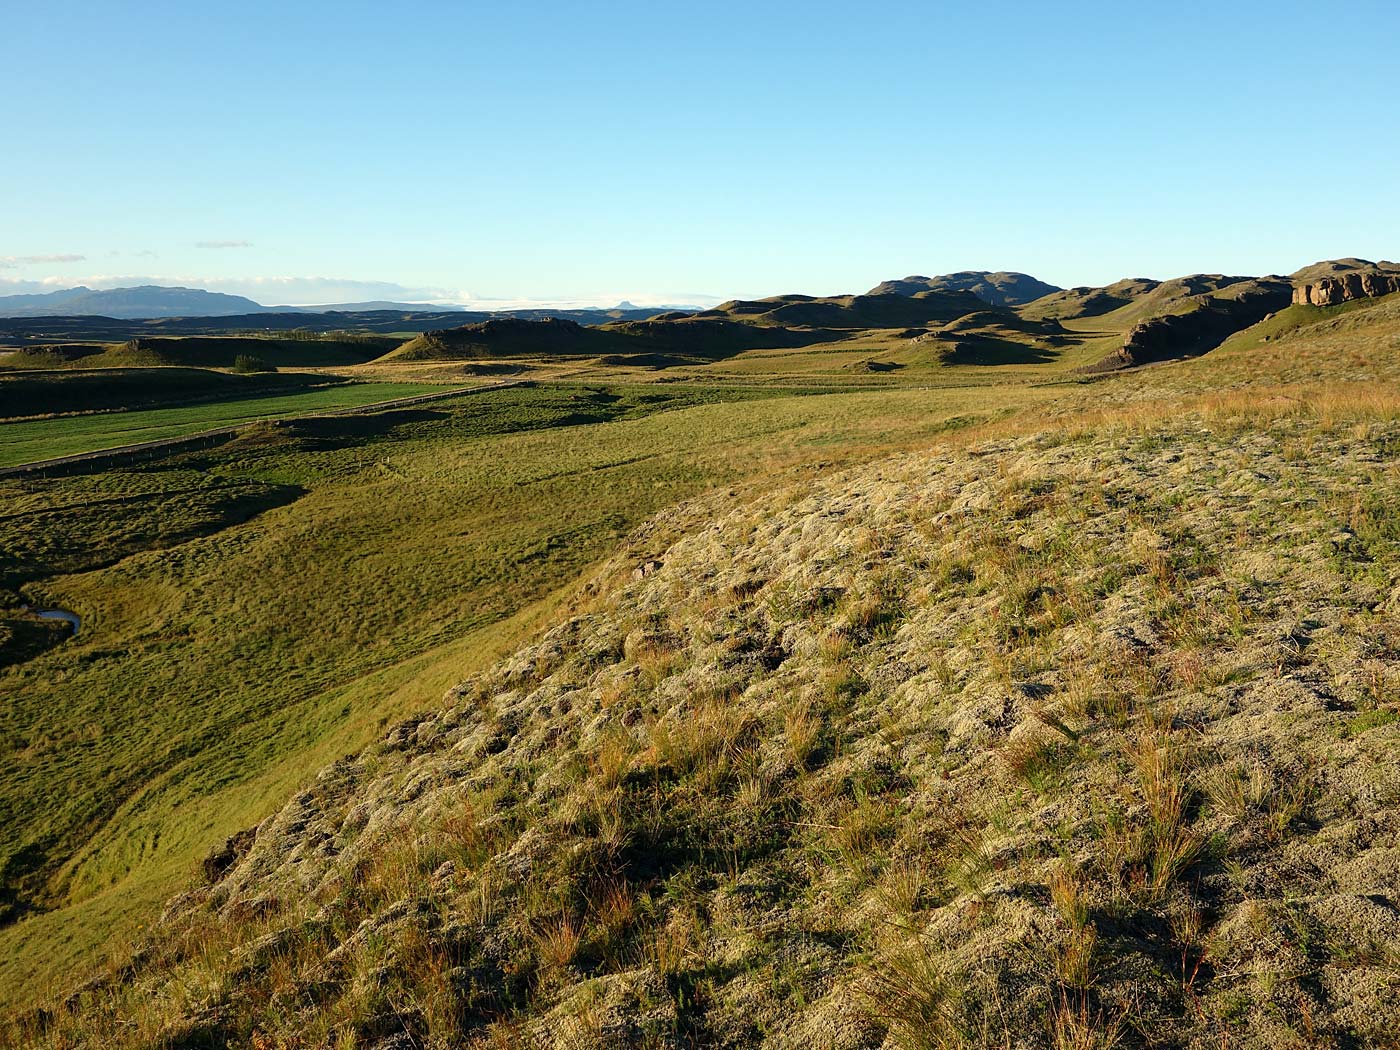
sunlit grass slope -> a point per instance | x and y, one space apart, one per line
222 660
1073 729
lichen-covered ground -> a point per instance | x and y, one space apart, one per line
1083 736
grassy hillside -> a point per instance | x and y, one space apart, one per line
1002 288
681 338
1071 730
29 394
27 440
223 656
305 351
924 327
1073 722
1303 323
850 311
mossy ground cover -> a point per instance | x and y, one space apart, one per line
253 611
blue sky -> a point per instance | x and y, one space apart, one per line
314 152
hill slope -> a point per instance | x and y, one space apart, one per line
1003 288
1081 735
849 311
204 352
1186 325
697 337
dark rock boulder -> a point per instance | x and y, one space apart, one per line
217 864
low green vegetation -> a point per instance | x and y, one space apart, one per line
31 394
254 610
27 441
247 364
1034 736
839 692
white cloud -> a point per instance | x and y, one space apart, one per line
9 262
223 244
17 286
642 300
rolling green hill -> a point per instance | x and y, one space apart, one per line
317 580
690 337
27 394
728 678
849 311
77 431
204 352
1074 722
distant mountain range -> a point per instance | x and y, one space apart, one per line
887 304
126 303
151 301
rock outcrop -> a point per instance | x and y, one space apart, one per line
1207 321
1372 282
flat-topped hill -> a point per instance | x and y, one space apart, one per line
1002 288
504 337
699 336
850 311
284 351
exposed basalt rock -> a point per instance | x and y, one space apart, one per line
1379 280
219 861
1208 322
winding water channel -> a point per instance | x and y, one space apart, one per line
72 618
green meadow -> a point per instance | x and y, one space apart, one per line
253 611
27 440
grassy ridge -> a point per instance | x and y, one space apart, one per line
198 351
44 393
29 440
1078 731
222 659
212 675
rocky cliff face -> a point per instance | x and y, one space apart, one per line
1382 279
1208 321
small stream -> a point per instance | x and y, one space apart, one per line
72 618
